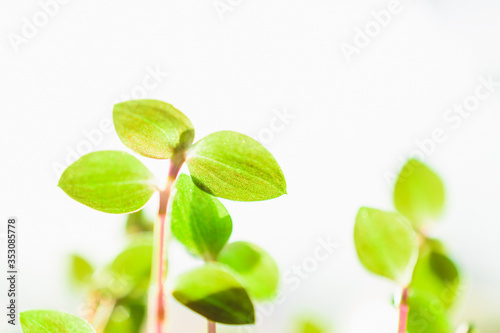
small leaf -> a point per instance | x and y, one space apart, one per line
81 269
436 274
37 321
198 220
255 268
386 244
234 166
427 315
138 222
419 194
310 326
132 268
109 181
152 128
215 294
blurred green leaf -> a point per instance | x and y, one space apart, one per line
127 317
214 293
419 194
132 268
427 314
152 128
81 269
310 326
138 222
198 220
37 321
255 268
109 181
386 244
234 166
436 274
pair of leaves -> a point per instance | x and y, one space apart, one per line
419 194
203 225
223 291
37 321
386 244
226 164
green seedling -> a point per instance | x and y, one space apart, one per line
224 164
397 246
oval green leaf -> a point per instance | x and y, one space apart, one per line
198 220
234 166
419 194
37 321
386 244
427 314
254 267
132 269
436 274
216 294
152 128
81 269
109 181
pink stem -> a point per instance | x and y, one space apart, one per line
175 166
404 309
211 327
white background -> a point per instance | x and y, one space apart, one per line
353 123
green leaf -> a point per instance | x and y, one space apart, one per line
215 294
419 194
436 274
234 166
127 317
198 220
427 314
386 244
152 128
37 321
255 268
132 269
109 181
310 326
81 269
138 222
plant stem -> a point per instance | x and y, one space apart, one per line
403 311
211 327
157 304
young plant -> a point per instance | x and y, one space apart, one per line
225 164
397 246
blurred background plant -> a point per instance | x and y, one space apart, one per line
400 246
115 296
